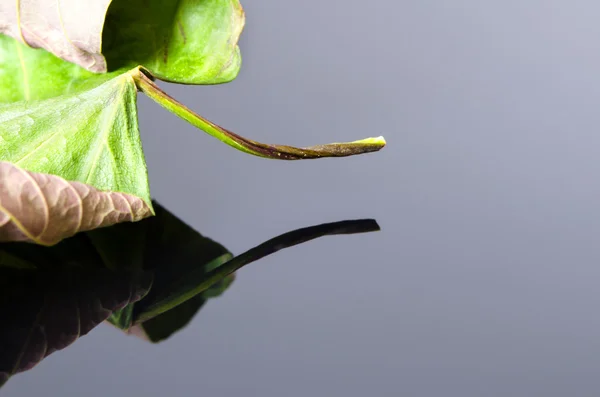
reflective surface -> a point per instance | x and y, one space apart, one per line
483 280
148 278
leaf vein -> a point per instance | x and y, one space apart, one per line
26 89
108 123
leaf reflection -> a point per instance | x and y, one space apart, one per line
147 278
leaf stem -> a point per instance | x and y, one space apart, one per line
194 286
280 152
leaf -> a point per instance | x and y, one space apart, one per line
45 209
62 120
182 41
90 137
71 29
185 41
83 128
31 74
45 311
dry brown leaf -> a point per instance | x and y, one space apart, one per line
70 29
45 209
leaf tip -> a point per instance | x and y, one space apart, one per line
378 141
371 144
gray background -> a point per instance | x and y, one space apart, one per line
484 279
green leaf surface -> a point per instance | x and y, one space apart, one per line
63 120
185 41
30 74
182 41
88 136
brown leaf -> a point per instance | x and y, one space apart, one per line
45 209
70 29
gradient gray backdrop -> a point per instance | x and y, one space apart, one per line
484 279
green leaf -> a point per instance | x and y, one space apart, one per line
62 120
86 136
31 74
182 41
